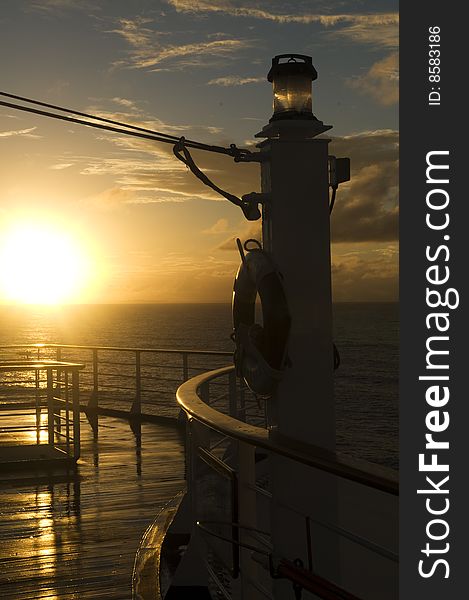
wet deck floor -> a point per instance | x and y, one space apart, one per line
66 536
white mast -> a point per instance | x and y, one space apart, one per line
296 234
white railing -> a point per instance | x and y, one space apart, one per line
136 381
48 426
229 483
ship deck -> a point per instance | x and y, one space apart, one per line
73 533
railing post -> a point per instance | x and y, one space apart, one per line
137 403
76 413
58 357
232 400
57 403
50 407
67 410
185 366
93 401
37 405
194 571
242 399
247 515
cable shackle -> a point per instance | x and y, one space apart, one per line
248 203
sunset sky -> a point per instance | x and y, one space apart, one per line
142 228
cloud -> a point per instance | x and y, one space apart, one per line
61 166
195 51
233 80
152 178
373 28
221 226
381 82
134 32
20 132
247 231
148 52
382 31
56 6
109 199
126 103
154 175
366 208
366 273
175 262
293 12
151 172
133 114
360 271
178 277
146 168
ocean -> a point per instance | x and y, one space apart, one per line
366 335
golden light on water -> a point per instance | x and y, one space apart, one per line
42 264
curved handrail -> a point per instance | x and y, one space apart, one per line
361 472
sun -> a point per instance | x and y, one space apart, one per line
41 264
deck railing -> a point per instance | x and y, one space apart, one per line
49 428
137 381
229 481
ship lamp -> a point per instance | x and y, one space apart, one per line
291 76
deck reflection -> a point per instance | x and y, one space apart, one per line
74 535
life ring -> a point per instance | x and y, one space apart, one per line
260 350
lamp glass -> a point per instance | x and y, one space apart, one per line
292 94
